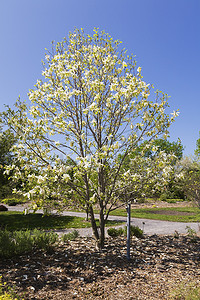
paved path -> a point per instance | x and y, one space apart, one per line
150 227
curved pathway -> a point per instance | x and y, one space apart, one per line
149 226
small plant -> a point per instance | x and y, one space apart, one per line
191 233
176 234
114 232
6 292
171 200
164 197
135 231
70 236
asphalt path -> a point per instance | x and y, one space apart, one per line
149 227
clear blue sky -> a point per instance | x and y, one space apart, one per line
163 34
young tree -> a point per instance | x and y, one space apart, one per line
92 104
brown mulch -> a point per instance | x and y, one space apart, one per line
162 204
78 271
170 212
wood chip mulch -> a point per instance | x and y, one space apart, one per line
77 270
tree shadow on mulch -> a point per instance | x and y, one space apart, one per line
79 263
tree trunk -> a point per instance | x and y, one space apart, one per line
102 230
93 223
87 213
99 235
101 192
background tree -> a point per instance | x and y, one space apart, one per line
92 104
188 178
152 149
150 153
197 151
172 190
175 148
7 140
147 176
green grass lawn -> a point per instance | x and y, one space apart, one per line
13 220
175 214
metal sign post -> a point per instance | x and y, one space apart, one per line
128 228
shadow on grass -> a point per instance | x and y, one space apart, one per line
18 221
12 220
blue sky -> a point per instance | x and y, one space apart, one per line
163 34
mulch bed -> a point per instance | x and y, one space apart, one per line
170 212
77 270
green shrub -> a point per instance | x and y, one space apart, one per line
142 200
70 236
15 243
44 240
134 231
164 197
114 232
173 196
21 242
13 201
7 245
174 200
171 200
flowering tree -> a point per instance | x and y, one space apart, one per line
92 104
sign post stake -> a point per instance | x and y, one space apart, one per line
128 228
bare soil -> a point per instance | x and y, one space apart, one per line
77 270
